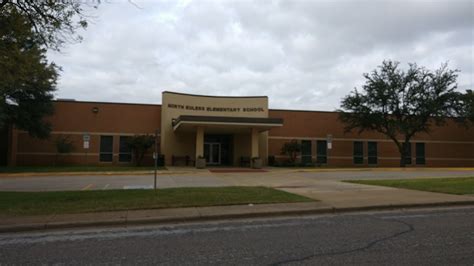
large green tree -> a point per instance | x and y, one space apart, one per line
401 103
54 22
27 80
467 107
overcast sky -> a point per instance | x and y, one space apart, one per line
302 54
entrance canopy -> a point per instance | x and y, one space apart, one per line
221 123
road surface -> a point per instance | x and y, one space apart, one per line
416 237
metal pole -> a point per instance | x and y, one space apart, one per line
155 157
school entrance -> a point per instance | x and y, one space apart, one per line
218 150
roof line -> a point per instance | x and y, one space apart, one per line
212 96
99 102
294 110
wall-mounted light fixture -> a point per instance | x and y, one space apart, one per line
95 109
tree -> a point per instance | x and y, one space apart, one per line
54 22
28 80
140 144
466 112
401 104
291 149
64 145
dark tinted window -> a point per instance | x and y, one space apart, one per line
106 148
125 153
358 152
420 153
372 152
321 151
306 151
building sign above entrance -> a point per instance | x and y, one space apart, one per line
216 109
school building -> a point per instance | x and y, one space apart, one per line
223 131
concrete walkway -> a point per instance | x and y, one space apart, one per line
190 177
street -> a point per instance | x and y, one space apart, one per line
414 237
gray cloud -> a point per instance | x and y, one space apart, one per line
302 54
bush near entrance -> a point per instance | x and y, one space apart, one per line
140 144
291 149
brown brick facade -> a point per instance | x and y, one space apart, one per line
450 145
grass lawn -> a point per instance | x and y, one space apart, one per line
52 169
37 203
458 186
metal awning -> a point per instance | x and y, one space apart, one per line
225 123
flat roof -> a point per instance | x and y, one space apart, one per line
152 104
98 102
212 96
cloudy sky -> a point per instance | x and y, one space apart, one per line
302 54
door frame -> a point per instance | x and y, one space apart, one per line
211 153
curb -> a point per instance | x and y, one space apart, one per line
157 221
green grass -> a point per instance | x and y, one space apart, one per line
38 203
458 186
52 169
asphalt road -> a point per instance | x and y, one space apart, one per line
272 178
416 237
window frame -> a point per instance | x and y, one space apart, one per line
358 158
122 153
371 158
111 153
420 160
321 158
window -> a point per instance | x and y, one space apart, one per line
306 152
106 148
408 155
321 151
420 153
358 152
125 152
372 152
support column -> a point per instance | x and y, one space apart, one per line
254 143
199 142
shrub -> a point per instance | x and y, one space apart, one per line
291 149
64 144
140 144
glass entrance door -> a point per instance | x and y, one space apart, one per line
212 153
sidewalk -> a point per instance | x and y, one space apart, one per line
331 202
174 171
177 170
